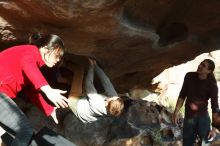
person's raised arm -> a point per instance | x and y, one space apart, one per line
105 81
90 88
77 81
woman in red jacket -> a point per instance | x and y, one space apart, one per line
20 68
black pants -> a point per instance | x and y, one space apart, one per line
15 122
195 126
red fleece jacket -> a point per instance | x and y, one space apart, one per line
19 67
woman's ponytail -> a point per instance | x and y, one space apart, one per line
33 39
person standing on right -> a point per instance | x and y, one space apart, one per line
198 87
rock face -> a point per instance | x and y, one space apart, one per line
143 123
133 39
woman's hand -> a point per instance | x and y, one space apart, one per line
54 95
54 116
58 100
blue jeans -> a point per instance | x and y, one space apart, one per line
195 126
14 121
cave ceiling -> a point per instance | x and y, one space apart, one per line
134 40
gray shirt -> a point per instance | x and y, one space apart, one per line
93 106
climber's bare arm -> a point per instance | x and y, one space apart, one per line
77 81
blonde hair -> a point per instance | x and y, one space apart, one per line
115 107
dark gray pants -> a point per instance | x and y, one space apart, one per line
14 121
195 126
